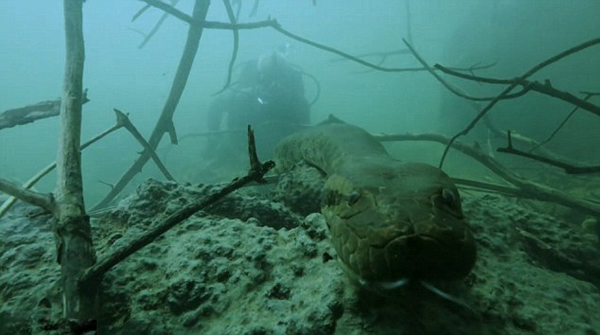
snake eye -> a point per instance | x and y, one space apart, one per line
353 197
450 199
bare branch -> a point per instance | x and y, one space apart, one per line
545 88
45 201
561 125
156 26
570 169
165 121
531 189
275 25
140 12
28 114
451 88
11 200
171 10
234 52
256 173
124 120
508 89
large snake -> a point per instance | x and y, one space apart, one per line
389 222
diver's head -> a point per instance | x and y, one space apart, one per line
271 66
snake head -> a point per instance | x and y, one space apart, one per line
404 222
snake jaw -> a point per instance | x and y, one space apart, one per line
382 240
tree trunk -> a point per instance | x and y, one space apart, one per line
72 227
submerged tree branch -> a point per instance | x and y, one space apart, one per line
156 26
11 200
451 88
46 201
236 42
561 125
126 123
508 89
271 23
122 122
528 188
570 169
165 121
543 88
255 174
28 114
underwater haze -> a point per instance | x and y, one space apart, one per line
355 232
515 35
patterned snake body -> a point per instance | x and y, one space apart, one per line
389 221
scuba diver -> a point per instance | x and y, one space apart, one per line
269 95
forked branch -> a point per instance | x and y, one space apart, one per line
255 174
568 168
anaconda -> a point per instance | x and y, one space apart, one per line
389 221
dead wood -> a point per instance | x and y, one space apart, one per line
72 225
45 201
543 88
255 174
156 27
140 12
236 42
28 114
451 88
126 123
122 122
165 122
272 23
475 105
588 95
527 188
513 85
568 168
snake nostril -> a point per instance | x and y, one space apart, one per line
353 198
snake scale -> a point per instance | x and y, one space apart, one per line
389 221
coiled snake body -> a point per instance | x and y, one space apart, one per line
389 221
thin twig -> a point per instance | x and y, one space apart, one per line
275 25
570 169
507 90
561 125
165 121
156 26
170 9
255 174
544 88
451 88
291 35
254 8
529 188
140 12
409 36
136 134
234 52
38 176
